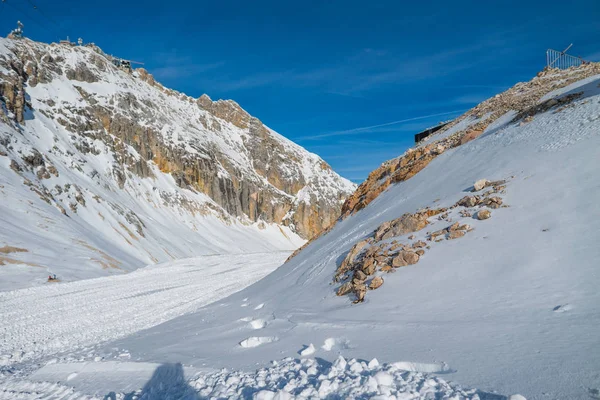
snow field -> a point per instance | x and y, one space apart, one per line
58 318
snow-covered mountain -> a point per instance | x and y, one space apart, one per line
103 170
471 258
481 265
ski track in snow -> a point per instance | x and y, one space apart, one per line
54 318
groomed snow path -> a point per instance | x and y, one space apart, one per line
60 317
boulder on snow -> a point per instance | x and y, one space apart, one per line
483 214
405 258
360 291
386 268
468 201
492 202
344 289
480 184
360 276
456 234
419 244
376 283
369 266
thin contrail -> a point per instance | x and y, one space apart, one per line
366 128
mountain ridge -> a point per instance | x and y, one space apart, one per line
77 130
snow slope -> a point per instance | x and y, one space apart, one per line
512 307
61 318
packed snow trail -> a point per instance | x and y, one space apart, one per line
63 317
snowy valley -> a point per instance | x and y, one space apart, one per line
104 171
465 268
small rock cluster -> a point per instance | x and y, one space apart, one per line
381 252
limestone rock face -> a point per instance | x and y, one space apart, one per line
247 171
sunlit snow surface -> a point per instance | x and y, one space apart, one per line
512 307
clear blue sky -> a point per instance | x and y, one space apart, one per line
327 74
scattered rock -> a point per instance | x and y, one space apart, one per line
480 184
492 202
468 201
483 214
15 166
405 258
376 283
420 252
453 227
360 276
369 267
386 268
405 224
456 234
360 291
344 289
419 244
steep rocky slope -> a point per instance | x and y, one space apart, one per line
121 170
523 100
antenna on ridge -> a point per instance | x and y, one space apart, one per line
18 32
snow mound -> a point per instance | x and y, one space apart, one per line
255 341
289 378
344 379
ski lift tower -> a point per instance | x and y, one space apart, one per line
18 32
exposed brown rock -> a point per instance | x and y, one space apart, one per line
480 184
419 244
360 291
420 252
376 283
523 97
483 214
405 258
348 262
12 249
401 226
344 289
468 201
360 276
456 234
369 267
492 202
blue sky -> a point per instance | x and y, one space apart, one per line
349 80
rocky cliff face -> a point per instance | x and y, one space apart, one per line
68 110
214 147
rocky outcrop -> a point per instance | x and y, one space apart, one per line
249 172
524 98
385 250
